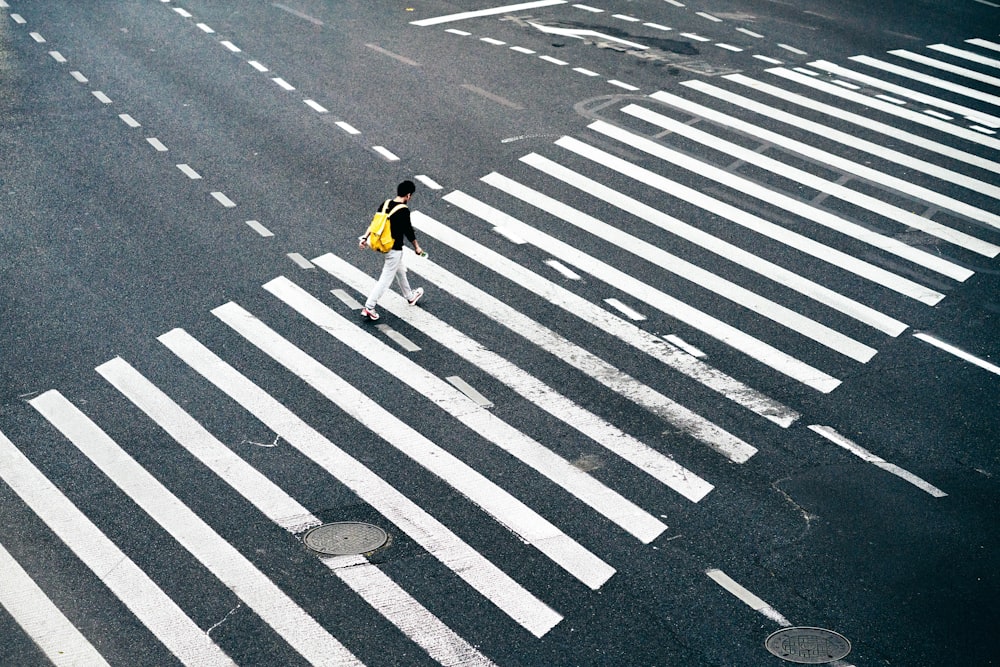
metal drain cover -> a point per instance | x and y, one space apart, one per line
808 646
345 538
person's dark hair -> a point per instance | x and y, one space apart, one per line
405 188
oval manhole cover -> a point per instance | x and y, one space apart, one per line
808 646
345 538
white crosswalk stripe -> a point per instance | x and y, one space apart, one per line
848 166
856 274
63 644
916 95
482 575
440 642
140 594
662 468
288 619
890 108
501 505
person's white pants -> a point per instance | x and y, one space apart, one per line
393 267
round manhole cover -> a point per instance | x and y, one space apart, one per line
808 646
345 538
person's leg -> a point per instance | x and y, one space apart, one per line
392 260
404 284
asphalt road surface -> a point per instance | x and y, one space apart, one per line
709 348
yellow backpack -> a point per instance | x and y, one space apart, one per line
380 231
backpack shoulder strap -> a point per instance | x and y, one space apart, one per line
396 208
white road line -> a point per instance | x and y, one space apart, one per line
470 391
157 144
460 33
613 378
630 313
961 354
746 597
625 17
284 84
79 77
189 172
692 234
386 153
670 262
843 164
300 261
588 8
767 59
965 91
229 45
965 55
465 562
183 12
845 84
807 72
128 120
862 200
250 483
488 12
490 40
416 622
205 28
863 121
403 611
888 98
684 345
259 228
398 338
902 91
37 37
257 66
907 114
346 127
622 84
751 33
151 606
533 454
521 49
294 12
669 305
820 216
554 61
52 632
706 15
952 69
938 114
17 18
584 70
219 557
315 106
792 49
992 46
657 26
343 295
428 181
590 313
650 461
697 38
863 454
852 140
563 269
101 96
728 47
223 199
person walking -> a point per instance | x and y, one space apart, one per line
402 231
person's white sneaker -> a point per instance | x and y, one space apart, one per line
417 293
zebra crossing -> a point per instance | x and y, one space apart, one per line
827 272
